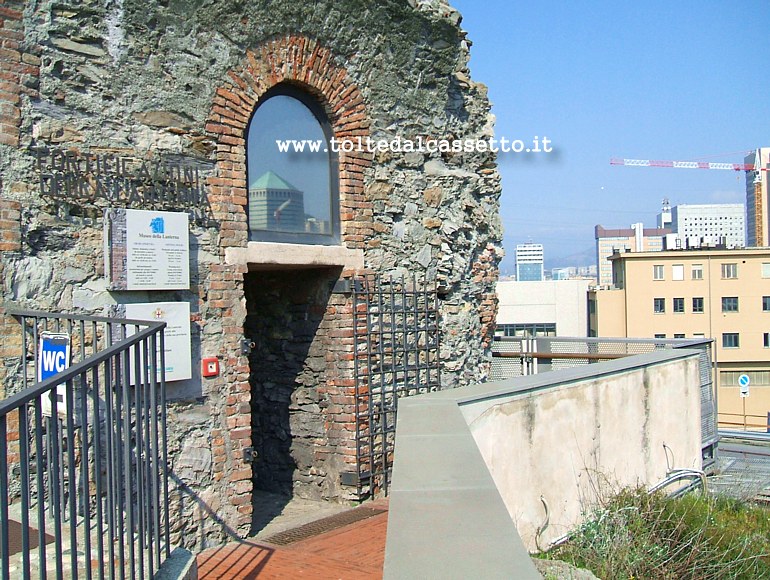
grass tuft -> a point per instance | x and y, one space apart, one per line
637 535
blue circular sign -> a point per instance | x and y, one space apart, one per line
743 381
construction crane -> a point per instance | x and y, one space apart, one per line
757 167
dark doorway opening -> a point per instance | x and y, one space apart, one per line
285 310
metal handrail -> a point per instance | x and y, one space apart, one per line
95 461
27 395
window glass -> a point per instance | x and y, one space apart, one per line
766 269
729 270
729 304
657 272
292 193
697 304
730 340
678 304
766 303
658 305
697 271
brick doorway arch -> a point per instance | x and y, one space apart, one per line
295 411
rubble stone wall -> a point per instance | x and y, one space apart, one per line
180 80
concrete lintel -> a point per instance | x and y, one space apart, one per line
272 255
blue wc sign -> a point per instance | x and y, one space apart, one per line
53 357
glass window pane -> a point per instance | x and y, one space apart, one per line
697 271
289 172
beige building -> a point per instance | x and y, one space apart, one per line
722 294
637 238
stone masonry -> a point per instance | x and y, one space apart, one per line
180 80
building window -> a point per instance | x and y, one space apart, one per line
766 338
660 336
697 304
757 378
766 269
766 303
678 304
657 272
730 340
729 304
292 197
729 270
678 335
698 335
659 305
697 271
534 329
677 272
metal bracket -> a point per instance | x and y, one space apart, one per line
249 455
349 478
347 286
247 345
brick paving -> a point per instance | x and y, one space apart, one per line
355 551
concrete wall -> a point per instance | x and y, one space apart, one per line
463 456
587 437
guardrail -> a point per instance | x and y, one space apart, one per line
83 457
747 421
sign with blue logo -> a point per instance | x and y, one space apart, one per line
147 250
53 357
743 383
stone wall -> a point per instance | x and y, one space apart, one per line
180 80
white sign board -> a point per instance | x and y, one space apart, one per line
176 315
147 250
743 383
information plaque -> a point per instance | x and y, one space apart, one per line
146 250
177 338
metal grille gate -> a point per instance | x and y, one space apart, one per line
396 345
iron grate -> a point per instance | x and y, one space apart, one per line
324 525
396 343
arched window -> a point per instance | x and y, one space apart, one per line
292 172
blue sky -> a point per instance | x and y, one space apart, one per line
678 80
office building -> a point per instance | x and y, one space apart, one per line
545 308
704 225
529 262
757 222
637 238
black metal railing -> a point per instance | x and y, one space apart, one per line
396 332
83 456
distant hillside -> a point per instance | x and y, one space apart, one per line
586 257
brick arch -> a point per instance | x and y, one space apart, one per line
304 63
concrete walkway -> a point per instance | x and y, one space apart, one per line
352 551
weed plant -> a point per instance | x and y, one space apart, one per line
637 535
